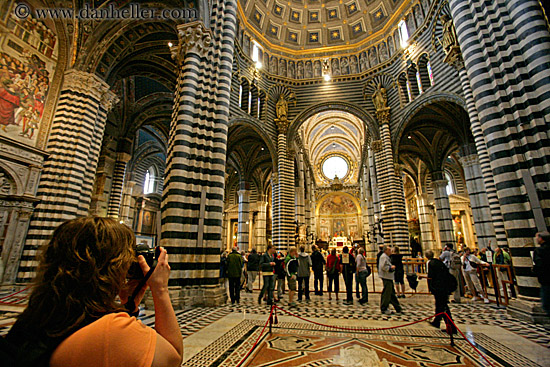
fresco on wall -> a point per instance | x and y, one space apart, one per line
28 54
338 204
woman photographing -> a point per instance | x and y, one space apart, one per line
74 312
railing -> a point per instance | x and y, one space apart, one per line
501 280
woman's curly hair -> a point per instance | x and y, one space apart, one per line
82 270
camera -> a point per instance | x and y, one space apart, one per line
150 255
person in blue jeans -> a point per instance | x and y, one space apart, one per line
363 272
267 266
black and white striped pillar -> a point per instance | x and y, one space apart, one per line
509 79
243 217
390 186
68 176
485 232
193 196
286 229
425 222
119 173
260 228
442 208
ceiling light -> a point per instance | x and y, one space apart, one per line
262 148
332 127
334 145
170 44
409 137
258 65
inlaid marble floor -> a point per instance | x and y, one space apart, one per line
222 336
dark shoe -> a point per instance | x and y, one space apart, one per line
270 302
398 310
433 324
259 300
363 302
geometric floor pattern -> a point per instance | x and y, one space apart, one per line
297 345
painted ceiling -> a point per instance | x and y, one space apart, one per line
312 24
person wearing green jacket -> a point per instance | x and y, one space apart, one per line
291 269
234 271
502 258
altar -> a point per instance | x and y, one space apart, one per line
338 243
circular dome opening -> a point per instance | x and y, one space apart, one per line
335 166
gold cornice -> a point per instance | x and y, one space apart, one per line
389 24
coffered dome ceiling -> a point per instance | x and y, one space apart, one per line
317 24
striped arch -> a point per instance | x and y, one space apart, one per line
256 126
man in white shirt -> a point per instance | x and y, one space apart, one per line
469 266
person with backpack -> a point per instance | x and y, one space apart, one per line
291 269
234 272
304 269
333 273
363 272
453 262
81 308
470 264
440 283
386 272
318 264
348 269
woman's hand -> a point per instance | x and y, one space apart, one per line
158 282
128 290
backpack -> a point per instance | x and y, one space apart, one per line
456 262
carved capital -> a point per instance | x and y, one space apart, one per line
383 115
109 100
85 83
469 160
454 58
282 125
376 145
275 178
123 157
192 37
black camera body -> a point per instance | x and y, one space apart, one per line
150 255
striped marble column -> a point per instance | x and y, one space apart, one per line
485 232
489 190
307 201
425 221
244 214
442 208
74 145
284 237
260 230
300 191
396 232
364 187
119 173
127 211
376 228
193 195
508 75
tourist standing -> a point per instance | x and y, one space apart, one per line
252 268
318 265
234 272
280 275
304 268
333 273
470 264
291 268
501 258
439 284
453 262
399 275
363 272
386 273
348 269
267 266
541 267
